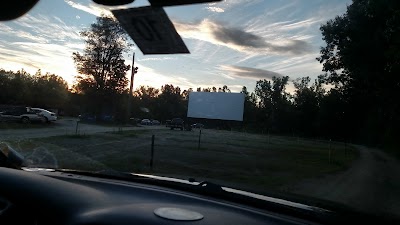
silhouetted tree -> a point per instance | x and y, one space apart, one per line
225 89
49 90
101 66
170 102
185 94
206 89
362 59
39 90
145 102
306 105
249 114
274 105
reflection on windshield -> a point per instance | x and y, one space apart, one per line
294 98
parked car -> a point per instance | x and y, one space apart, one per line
134 121
49 116
145 122
106 118
21 114
177 123
89 118
198 125
155 122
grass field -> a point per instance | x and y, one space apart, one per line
229 158
19 125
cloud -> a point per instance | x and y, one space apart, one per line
13 34
249 73
91 8
151 77
237 37
241 40
229 4
301 24
32 56
40 41
304 29
95 9
42 28
155 59
156 78
282 9
215 9
295 47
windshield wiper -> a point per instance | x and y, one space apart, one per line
107 174
210 187
204 187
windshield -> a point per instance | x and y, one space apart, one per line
294 97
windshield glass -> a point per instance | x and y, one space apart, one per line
297 97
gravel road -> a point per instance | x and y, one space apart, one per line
372 184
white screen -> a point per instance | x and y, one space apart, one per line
216 105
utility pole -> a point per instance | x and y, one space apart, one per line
133 72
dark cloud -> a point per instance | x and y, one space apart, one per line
238 37
4 55
243 38
296 47
248 72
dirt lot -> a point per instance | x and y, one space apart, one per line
236 159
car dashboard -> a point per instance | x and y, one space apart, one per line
62 198
53 197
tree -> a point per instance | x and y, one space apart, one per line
363 43
206 89
272 94
226 89
145 102
146 92
171 102
40 90
362 59
263 91
306 105
21 86
249 106
49 90
185 94
274 103
214 89
102 67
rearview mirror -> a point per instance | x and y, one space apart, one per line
13 9
113 2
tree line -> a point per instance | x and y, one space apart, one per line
21 88
311 110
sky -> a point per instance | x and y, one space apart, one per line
233 42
